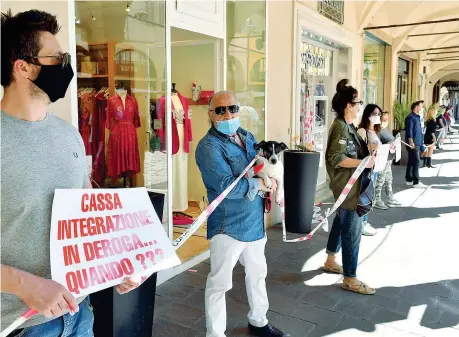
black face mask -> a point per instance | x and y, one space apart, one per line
54 80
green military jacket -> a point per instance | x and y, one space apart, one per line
344 142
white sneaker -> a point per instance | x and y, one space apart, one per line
381 205
420 185
368 230
409 183
393 203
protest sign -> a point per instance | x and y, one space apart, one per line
100 237
381 158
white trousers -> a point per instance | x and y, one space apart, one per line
224 254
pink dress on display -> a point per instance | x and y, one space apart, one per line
123 147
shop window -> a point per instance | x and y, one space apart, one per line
374 71
404 81
246 61
316 87
121 62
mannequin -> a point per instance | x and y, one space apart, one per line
180 159
181 138
123 151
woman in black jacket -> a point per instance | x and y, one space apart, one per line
429 137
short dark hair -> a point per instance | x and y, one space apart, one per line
365 122
21 37
344 95
415 104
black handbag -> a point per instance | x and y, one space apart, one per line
367 193
367 190
391 156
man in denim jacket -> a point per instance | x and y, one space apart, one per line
236 228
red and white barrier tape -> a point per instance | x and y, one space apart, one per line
17 323
427 146
177 243
329 211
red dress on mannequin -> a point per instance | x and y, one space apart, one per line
86 110
123 147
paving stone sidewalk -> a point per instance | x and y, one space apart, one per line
413 261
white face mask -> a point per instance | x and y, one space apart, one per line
360 111
384 125
375 120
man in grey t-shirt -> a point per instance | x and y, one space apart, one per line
39 153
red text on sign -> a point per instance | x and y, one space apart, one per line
105 248
89 277
71 255
100 202
91 226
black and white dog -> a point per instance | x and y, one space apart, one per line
270 156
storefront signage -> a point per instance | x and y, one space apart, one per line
315 60
334 10
312 60
100 237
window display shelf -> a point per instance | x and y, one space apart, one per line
86 75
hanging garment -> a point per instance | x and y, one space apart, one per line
179 160
123 148
187 133
86 109
99 120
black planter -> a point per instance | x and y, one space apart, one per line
130 314
300 183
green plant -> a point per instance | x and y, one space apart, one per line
400 111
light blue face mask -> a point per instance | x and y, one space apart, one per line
229 127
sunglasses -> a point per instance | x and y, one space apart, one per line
63 59
358 102
221 110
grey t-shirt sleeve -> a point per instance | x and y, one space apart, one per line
386 136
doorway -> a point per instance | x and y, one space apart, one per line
196 73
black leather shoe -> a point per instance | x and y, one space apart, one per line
266 331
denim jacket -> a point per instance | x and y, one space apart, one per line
221 160
413 129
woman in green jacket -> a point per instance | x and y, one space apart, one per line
345 151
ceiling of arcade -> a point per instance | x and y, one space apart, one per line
412 41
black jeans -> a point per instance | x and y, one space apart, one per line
412 168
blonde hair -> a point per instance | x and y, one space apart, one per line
431 113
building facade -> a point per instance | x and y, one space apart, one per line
165 58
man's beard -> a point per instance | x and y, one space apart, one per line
37 94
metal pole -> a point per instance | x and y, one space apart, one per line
428 34
443 52
412 24
416 50
436 60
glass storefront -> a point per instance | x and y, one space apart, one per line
143 91
373 71
403 81
316 88
121 69
246 61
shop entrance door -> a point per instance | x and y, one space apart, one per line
194 39
196 73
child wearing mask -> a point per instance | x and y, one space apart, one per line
384 178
